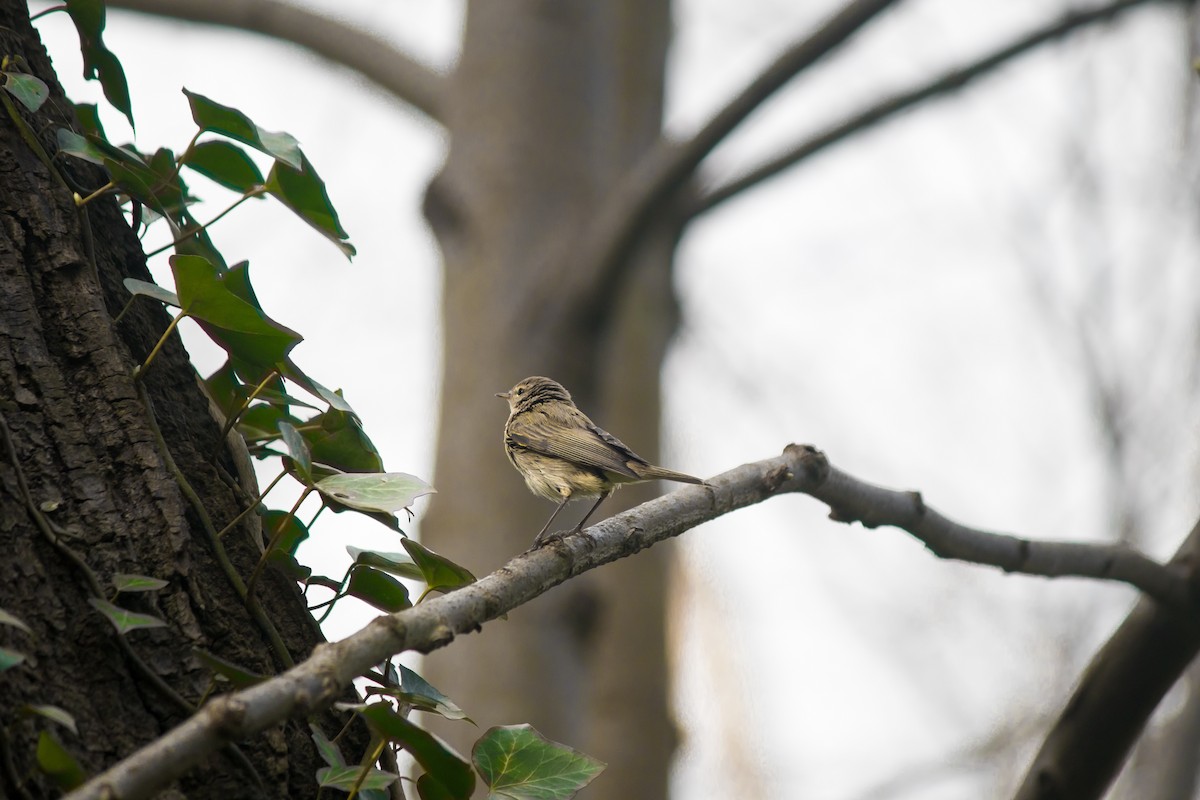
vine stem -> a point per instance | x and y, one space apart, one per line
141 370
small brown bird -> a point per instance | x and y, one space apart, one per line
563 455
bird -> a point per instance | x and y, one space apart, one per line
563 455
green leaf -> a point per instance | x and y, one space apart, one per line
225 163
228 121
336 439
374 491
30 90
295 532
400 564
289 566
303 191
54 760
98 60
10 658
329 751
422 695
379 589
439 572
153 182
13 620
345 778
517 762
334 399
151 290
136 583
89 119
54 714
262 422
124 620
226 390
240 677
440 762
244 331
297 451
73 144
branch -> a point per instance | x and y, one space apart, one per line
624 214
372 56
1126 680
317 682
947 83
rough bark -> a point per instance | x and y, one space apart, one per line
550 103
82 475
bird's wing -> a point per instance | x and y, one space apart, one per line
587 445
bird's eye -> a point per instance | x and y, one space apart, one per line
520 392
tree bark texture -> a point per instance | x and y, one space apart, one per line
550 104
86 491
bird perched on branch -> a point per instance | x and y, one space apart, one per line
563 455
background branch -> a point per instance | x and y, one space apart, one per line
1124 683
371 56
317 682
947 83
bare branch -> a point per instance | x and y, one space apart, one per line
317 682
1124 683
598 259
372 56
884 110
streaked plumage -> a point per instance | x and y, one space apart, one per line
563 455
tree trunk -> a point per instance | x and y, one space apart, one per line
88 491
551 102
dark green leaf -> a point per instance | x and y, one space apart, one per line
440 762
196 241
420 693
303 191
517 762
225 163
400 564
9 658
430 788
98 60
227 121
262 422
54 714
345 778
227 391
294 533
54 760
439 572
89 119
151 290
337 439
240 677
297 375
124 620
30 90
374 491
289 566
329 751
298 451
136 583
379 589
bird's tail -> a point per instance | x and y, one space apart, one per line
651 472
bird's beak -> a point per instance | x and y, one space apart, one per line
503 395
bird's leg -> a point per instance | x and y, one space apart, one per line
591 511
538 540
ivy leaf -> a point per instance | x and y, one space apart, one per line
54 760
400 564
374 491
439 572
73 144
124 620
345 778
30 90
151 290
228 121
379 589
515 761
337 439
89 119
303 191
98 60
136 583
329 751
54 714
422 695
225 163
240 677
295 532
297 451
440 762
10 658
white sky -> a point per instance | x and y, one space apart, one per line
876 303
